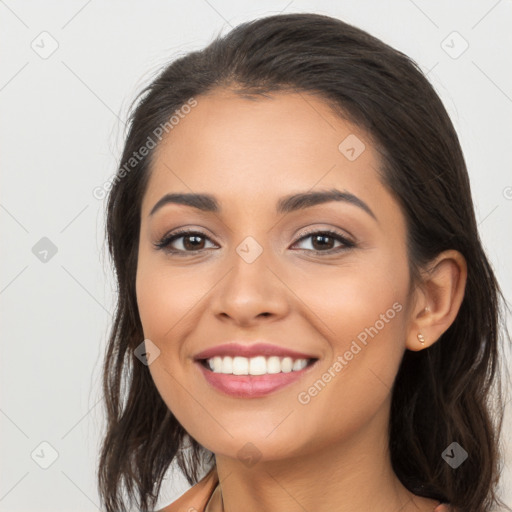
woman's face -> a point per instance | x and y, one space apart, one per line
252 274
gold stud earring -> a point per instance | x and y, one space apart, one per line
421 338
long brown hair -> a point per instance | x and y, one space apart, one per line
451 391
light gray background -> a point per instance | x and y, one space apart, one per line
62 128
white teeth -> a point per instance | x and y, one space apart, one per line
273 364
216 362
227 365
298 365
287 364
259 365
240 366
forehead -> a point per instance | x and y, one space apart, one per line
239 148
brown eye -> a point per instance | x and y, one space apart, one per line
191 241
323 241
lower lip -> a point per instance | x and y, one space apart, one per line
251 386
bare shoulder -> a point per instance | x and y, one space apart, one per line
196 497
444 508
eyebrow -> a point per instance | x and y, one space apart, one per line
286 204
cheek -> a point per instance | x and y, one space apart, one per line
363 314
166 299
157 299
361 301
170 302
350 299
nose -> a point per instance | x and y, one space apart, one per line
251 292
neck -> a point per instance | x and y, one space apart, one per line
354 474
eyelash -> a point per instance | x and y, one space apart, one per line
168 239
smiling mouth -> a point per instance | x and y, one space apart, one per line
255 366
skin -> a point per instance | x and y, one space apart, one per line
331 453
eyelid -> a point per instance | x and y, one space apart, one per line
347 242
176 234
335 231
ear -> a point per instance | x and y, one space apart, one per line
438 299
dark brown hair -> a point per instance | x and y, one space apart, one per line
451 391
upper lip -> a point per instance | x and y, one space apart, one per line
256 349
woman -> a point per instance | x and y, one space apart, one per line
305 310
